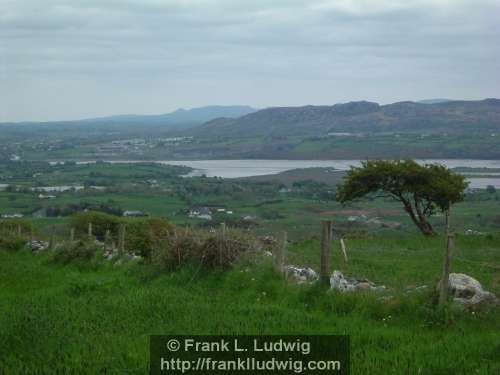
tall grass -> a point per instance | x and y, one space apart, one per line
58 318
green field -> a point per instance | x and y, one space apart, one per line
96 318
159 190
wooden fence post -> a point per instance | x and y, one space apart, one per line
450 245
90 230
72 234
19 232
326 243
121 240
107 237
280 256
222 242
342 246
52 237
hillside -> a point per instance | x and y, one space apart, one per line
361 117
179 118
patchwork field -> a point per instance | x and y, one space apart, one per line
94 316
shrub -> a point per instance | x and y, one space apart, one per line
101 222
13 225
178 250
77 251
208 249
145 234
11 242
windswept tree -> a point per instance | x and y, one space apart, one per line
422 189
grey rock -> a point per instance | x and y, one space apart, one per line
339 282
468 291
37 245
301 275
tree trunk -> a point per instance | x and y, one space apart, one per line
426 227
419 219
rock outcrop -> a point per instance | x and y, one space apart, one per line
301 275
37 245
339 282
468 291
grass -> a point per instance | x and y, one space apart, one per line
93 319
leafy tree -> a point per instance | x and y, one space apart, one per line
491 189
422 189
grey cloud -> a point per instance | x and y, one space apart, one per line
112 56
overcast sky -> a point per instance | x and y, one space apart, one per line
74 59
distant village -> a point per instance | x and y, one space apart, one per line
138 145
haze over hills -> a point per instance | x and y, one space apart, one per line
181 118
434 101
360 117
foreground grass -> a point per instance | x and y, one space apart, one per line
97 318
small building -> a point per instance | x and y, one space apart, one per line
134 214
201 213
12 216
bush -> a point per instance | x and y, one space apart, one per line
13 225
145 234
180 249
207 249
77 251
101 222
11 242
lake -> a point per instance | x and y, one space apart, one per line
248 168
254 167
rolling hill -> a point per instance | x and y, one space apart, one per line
181 118
360 117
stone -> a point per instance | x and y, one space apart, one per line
468 291
37 245
301 275
339 282
363 286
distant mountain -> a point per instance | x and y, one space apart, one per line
434 101
359 117
205 114
180 118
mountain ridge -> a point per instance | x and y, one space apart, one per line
361 116
192 116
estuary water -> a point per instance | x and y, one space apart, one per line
255 167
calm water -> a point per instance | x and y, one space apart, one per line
248 168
